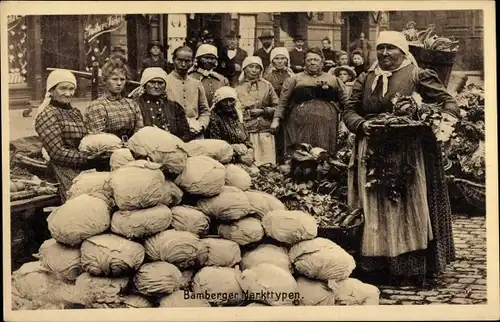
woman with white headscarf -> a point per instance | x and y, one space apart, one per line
258 100
156 108
61 127
410 238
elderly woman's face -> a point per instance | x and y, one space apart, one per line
63 92
253 71
207 62
227 104
155 87
115 83
389 56
313 62
280 62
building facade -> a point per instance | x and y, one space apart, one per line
76 41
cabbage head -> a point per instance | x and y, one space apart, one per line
91 181
265 278
78 219
187 218
158 278
137 186
62 260
267 253
244 231
216 149
100 142
321 259
176 247
237 177
119 158
261 203
136 302
351 291
314 293
111 255
172 195
178 299
159 146
218 252
230 204
223 281
98 289
290 227
202 176
141 223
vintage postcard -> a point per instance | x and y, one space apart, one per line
249 160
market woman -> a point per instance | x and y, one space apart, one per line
157 109
60 127
309 106
114 113
410 238
258 100
277 73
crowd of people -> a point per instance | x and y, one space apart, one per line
269 101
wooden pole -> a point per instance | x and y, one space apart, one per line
95 81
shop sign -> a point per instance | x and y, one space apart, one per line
102 25
13 21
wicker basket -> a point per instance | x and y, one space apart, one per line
349 238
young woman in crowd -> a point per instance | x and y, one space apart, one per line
258 100
277 73
309 105
61 127
113 112
157 109
358 62
410 239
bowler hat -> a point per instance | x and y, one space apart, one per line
266 34
233 34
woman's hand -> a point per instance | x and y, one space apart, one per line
275 125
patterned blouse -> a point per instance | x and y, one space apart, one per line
61 128
257 94
120 116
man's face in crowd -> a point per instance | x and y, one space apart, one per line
232 43
183 61
266 42
299 43
155 51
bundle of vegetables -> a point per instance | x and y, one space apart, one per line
23 187
467 143
129 240
424 39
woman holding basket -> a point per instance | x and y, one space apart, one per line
410 238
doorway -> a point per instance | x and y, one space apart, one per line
355 23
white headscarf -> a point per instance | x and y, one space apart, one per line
54 78
148 75
276 52
227 92
250 60
206 49
397 39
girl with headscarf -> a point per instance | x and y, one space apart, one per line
61 127
310 104
258 100
157 109
409 239
114 113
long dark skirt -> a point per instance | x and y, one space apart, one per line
64 176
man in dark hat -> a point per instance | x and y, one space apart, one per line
266 38
235 56
155 57
297 55
207 38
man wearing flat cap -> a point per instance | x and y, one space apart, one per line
297 55
206 61
266 38
235 57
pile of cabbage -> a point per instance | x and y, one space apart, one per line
176 225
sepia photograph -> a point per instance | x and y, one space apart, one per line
327 156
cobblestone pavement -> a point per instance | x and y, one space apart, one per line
463 282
